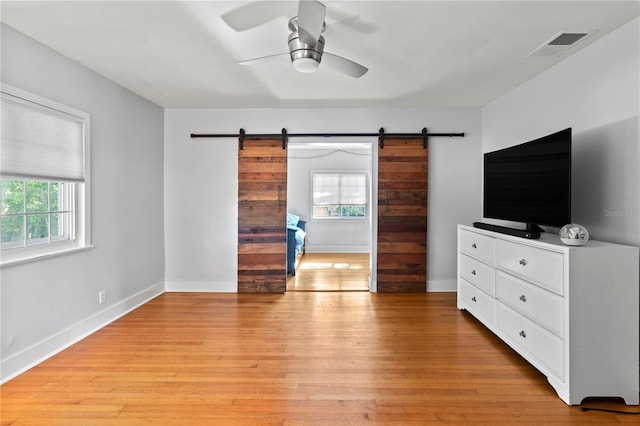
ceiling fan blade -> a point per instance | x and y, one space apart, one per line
263 59
344 65
340 18
311 15
253 14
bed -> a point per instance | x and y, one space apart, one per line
296 236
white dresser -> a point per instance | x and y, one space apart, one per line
572 312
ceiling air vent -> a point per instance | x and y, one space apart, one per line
558 44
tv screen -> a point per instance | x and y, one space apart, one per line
530 182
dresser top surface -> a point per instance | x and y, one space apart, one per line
548 240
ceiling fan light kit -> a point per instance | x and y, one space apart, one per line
305 65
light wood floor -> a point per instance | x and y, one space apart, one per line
301 358
331 272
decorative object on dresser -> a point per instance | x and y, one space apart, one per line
572 312
574 235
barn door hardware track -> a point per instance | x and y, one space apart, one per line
242 136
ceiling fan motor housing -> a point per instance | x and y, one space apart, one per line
305 57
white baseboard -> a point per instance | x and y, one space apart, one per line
442 285
34 355
201 286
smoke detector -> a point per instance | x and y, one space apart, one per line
559 43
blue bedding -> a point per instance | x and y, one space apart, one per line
300 234
296 234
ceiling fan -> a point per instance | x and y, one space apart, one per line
306 44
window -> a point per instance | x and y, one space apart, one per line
36 212
44 179
339 195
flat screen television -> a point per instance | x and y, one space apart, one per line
530 182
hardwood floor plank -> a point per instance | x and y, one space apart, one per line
301 358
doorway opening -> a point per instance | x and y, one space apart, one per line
338 248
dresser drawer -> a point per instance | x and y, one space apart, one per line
538 304
542 267
535 340
476 245
477 301
478 273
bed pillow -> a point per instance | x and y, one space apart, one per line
292 220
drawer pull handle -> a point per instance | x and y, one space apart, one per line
473 272
523 298
474 299
474 245
522 333
523 262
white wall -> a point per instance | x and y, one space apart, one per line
596 92
49 304
335 235
201 183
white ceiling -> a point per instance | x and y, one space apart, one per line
419 53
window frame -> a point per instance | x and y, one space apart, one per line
80 203
367 188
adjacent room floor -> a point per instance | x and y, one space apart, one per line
331 272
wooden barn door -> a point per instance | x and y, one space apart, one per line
262 206
402 216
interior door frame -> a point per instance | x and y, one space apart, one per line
373 223
372 144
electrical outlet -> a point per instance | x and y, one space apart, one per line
102 296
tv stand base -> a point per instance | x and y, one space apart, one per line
523 233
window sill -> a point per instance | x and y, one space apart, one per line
8 261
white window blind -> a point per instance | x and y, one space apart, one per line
339 188
326 188
41 142
353 189
339 195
